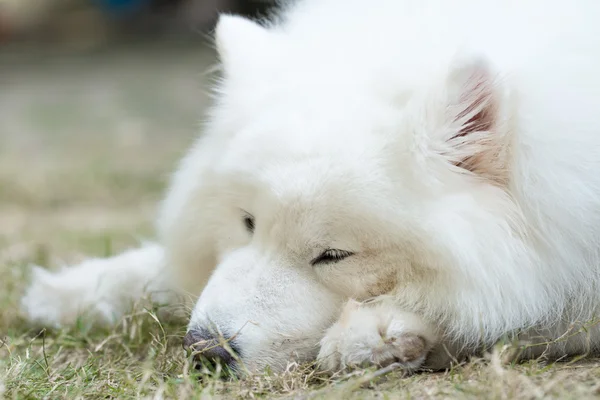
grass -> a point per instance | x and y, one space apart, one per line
84 157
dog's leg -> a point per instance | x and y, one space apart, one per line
102 288
377 334
567 338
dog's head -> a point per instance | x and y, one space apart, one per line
327 185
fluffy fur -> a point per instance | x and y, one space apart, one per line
451 148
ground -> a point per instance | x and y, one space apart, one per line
86 146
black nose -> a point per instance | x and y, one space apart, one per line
209 347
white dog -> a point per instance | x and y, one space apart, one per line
384 181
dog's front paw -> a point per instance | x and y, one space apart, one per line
59 299
375 335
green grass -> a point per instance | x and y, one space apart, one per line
79 179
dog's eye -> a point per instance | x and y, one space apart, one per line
331 256
249 223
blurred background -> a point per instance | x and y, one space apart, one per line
98 100
95 22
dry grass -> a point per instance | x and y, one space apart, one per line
84 156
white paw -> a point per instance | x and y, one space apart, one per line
53 301
101 290
375 336
43 302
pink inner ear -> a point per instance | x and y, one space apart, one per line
478 147
477 104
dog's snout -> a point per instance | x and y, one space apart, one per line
209 347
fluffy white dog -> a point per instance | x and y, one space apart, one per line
384 181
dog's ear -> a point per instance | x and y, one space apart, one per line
240 42
474 138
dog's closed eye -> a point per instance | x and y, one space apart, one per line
331 256
249 222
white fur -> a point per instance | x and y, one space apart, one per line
376 335
337 127
102 288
